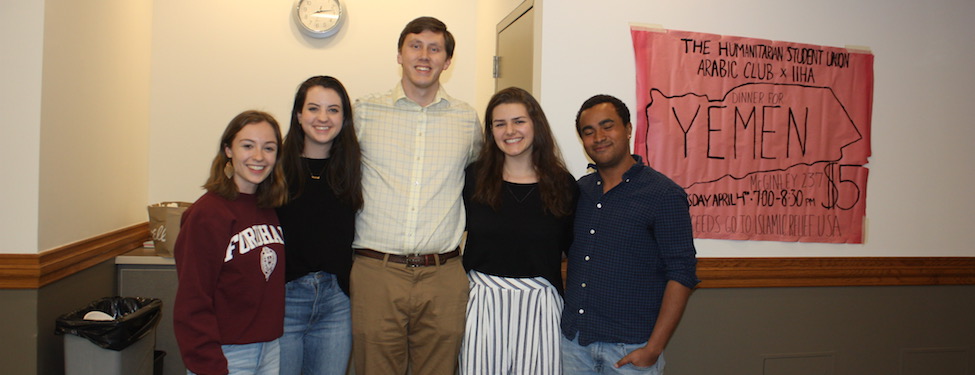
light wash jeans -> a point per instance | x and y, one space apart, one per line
599 358
261 358
317 326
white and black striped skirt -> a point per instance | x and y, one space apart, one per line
512 326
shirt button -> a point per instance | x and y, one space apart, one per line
583 285
582 311
587 258
599 182
627 180
592 231
599 205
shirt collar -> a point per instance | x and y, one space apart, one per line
399 96
633 168
596 182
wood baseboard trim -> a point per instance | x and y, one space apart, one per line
834 271
32 271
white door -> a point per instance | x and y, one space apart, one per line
515 50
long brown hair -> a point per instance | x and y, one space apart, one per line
553 178
345 171
273 191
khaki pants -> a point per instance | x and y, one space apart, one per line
407 315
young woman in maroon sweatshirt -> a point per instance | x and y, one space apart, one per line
229 308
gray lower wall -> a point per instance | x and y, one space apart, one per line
18 330
29 345
910 330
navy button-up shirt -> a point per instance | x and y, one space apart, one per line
629 242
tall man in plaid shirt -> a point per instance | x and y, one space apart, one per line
409 288
632 264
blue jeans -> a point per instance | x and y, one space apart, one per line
317 326
599 358
261 358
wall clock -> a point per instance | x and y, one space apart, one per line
319 18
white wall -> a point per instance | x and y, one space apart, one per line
92 134
918 202
206 69
21 42
74 103
94 119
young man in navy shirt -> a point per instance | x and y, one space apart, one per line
632 264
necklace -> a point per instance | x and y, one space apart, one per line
524 196
312 174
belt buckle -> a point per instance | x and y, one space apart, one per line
416 260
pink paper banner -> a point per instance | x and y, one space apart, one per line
770 139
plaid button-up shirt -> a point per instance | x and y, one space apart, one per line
413 161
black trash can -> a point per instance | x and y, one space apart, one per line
121 344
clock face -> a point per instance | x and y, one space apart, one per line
319 18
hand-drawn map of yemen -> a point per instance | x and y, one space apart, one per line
769 139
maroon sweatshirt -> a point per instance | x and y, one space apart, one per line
230 263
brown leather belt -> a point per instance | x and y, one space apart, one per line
423 260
